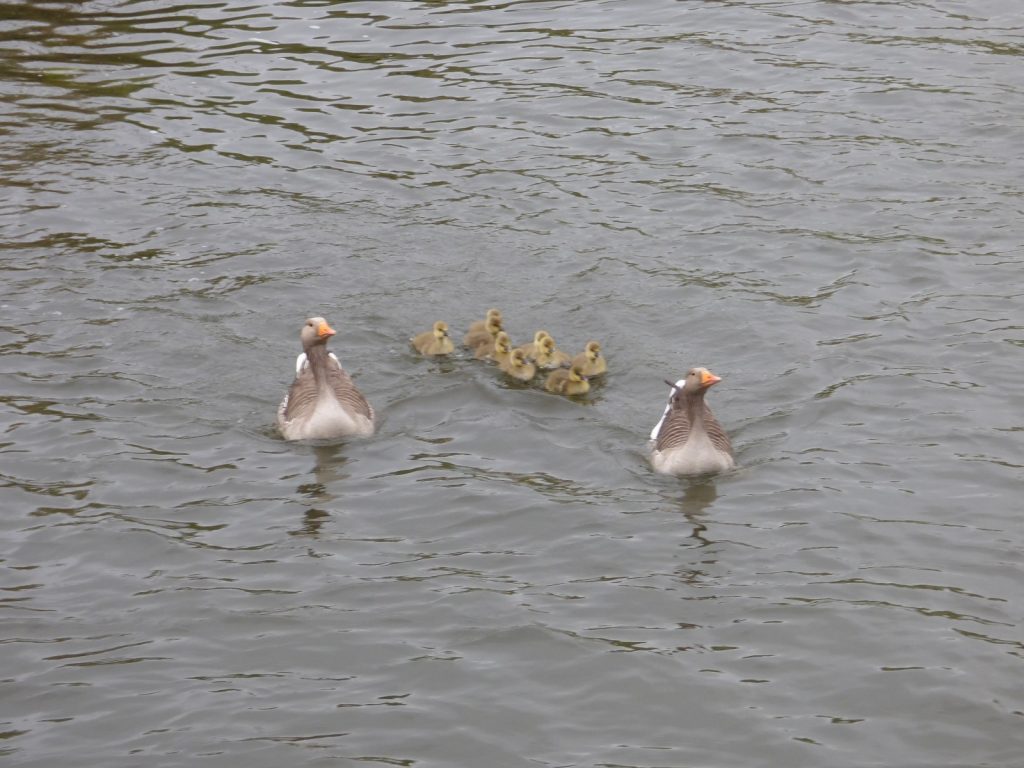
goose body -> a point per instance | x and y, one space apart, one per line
435 341
590 360
322 403
567 381
688 440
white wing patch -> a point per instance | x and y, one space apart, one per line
668 407
301 362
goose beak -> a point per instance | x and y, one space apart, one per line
707 378
325 330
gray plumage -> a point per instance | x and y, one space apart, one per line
689 440
322 402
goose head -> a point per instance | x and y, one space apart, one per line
315 331
696 380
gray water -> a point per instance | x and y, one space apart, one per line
820 201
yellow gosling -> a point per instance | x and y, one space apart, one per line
473 339
591 361
518 367
533 346
480 325
567 381
435 341
499 351
549 356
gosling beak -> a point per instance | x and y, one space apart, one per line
325 330
707 378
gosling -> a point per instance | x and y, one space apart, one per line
532 347
434 342
518 367
479 325
498 352
549 356
486 335
567 381
591 361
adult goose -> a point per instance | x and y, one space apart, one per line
322 403
689 440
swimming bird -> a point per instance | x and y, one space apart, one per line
530 347
548 356
590 360
479 325
499 351
486 335
518 367
567 381
322 402
434 342
689 440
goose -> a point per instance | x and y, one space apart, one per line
567 381
434 342
688 440
499 351
322 402
518 367
590 360
480 325
486 335
548 356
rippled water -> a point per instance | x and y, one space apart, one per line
820 201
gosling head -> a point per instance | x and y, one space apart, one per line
576 374
494 314
440 330
493 324
502 343
592 350
517 359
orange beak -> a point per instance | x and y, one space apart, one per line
325 330
708 378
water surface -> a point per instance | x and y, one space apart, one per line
819 201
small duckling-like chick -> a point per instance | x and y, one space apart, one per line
530 348
689 440
549 356
499 351
518 367
479 325
434 342
590 360
567 381
491 328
